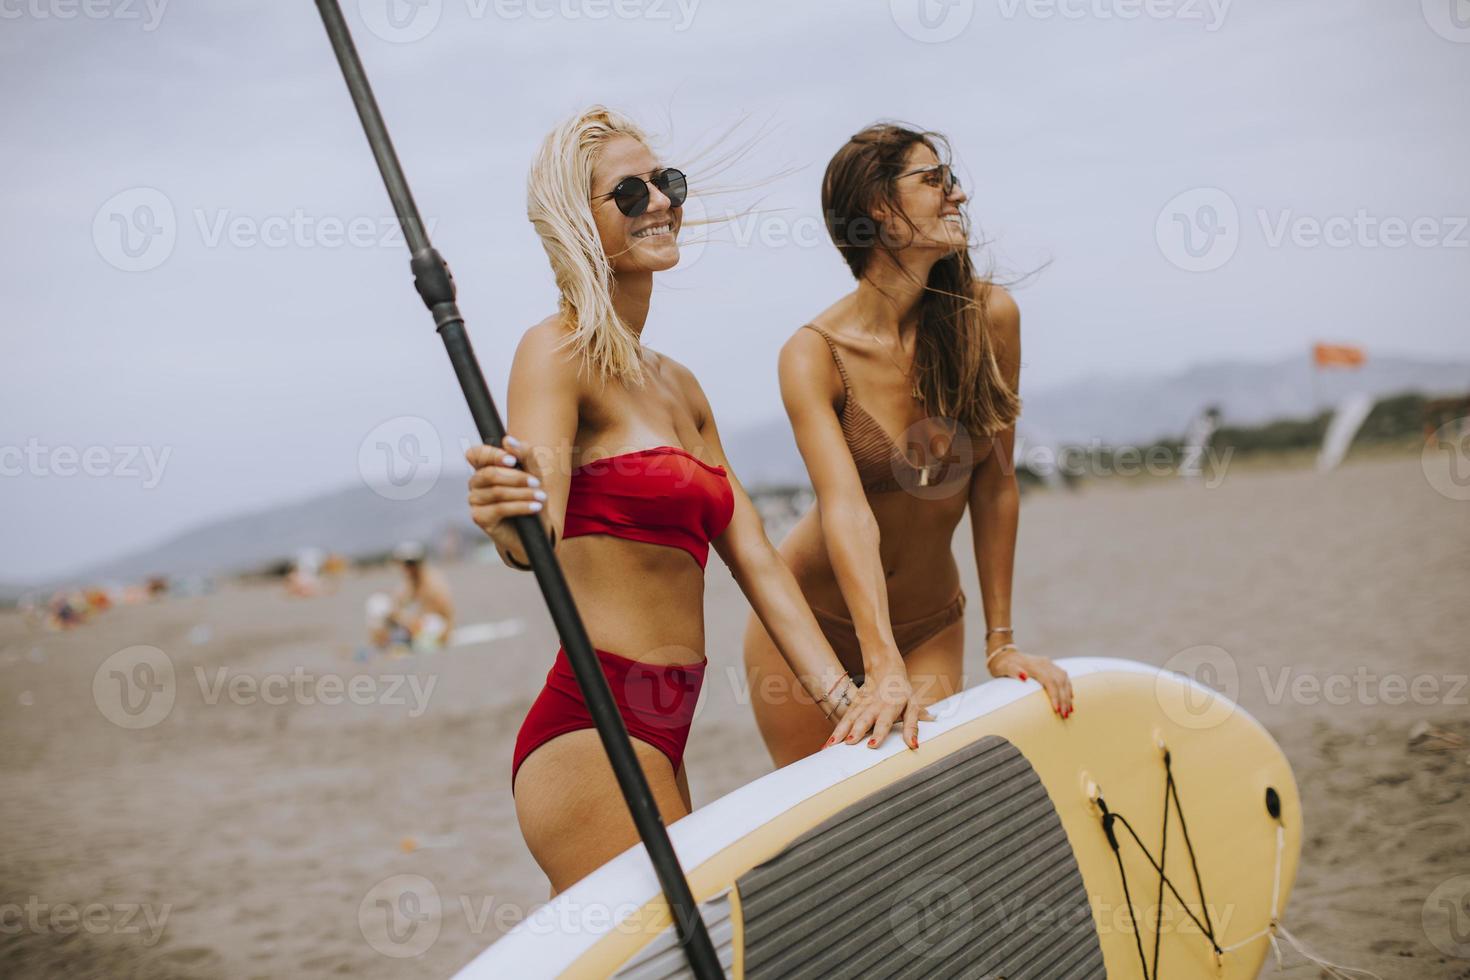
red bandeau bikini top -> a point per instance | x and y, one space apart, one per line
663 495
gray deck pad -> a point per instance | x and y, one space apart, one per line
961 869
663 959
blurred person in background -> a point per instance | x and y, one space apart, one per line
419 617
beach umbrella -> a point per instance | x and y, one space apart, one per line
435 285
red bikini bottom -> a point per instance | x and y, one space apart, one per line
656 701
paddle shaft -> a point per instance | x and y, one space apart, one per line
435 285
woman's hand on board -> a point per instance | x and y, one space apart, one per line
1010 661
885 697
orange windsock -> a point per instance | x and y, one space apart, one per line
1338 355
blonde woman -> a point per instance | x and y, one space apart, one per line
903 399
622 461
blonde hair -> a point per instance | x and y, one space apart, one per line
557 202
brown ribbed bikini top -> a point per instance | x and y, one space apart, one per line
880 465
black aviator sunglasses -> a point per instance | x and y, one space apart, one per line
948 178
631 194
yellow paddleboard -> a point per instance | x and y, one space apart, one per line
988 852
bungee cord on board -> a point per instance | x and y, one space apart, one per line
1273 928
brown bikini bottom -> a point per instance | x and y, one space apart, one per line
906 636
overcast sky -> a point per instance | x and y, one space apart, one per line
190 331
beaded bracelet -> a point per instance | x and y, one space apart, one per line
844 698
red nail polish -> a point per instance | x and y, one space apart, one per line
1023 675
872 743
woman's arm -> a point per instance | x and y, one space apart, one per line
773 594
778 602
542 404
995 507
810 389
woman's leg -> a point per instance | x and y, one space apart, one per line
571 810
792 726
936 665
683 780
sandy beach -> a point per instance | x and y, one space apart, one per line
238 829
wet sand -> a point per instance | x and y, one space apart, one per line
236 837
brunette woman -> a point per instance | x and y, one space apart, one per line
903 396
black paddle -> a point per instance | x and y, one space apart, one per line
435 285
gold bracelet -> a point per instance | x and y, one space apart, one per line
999 650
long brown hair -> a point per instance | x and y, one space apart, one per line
954 357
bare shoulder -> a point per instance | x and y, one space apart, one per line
544 349
437 581
1005 314
806 353
1004 318
687 384
679 373
805 365
548 340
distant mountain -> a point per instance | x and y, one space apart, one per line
1137 410
1113 410
353 521
1140 409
